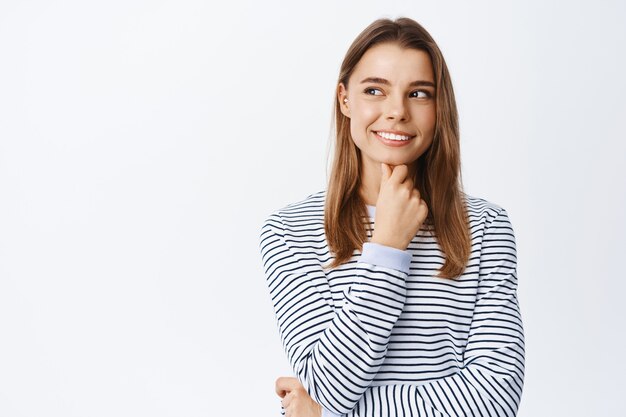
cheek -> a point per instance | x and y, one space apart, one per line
369 113
362 117
428 119
432 121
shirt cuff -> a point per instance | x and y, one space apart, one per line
327 413
377 254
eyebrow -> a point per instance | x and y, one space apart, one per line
379 80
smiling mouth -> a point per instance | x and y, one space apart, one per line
393 136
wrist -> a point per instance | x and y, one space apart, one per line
388 242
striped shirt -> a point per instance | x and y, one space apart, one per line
381 335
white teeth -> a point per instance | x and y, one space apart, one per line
393 136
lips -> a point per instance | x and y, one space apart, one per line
393 138
394 135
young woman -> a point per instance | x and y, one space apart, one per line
394 291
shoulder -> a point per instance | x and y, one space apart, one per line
489 223
306 213
483 212
310 204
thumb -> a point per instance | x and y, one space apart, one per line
285 385
385 171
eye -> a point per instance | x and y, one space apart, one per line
424 94
369 90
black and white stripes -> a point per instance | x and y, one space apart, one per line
373 338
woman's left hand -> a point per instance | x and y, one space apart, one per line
295 399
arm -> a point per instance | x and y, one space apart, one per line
334 353
491 379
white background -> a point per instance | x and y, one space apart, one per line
142 144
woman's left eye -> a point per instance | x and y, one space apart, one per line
425 94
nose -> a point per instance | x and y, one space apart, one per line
396 109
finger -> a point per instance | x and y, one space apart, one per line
284 384
416 193
278 387
385 171
399 174
287 400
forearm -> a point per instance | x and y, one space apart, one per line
347 355
334 352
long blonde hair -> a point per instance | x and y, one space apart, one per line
437 173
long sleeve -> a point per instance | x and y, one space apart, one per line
491 379
335 353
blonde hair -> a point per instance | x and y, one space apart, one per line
437 171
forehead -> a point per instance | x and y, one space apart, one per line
393 62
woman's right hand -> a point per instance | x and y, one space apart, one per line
400 211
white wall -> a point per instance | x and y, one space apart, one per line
142 143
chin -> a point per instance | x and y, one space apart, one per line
395 161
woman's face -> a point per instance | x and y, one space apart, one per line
391 105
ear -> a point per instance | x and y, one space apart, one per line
342 95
